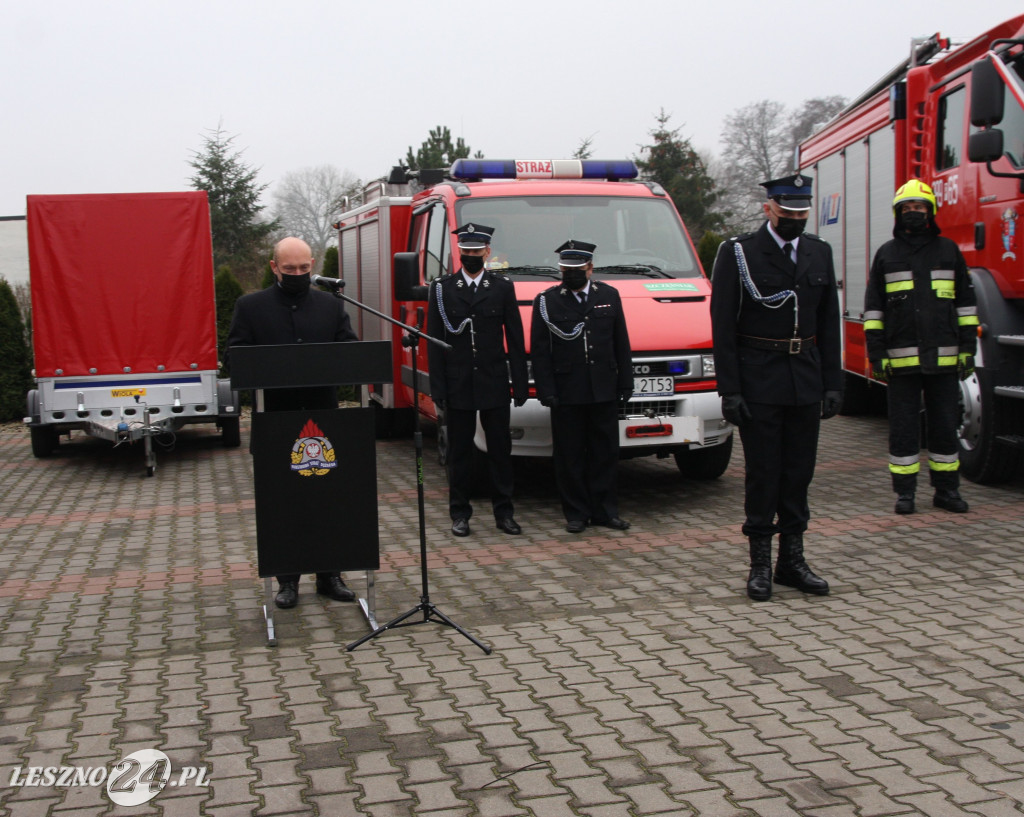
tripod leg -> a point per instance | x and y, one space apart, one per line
395 622
445 620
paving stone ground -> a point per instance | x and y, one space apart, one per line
630 675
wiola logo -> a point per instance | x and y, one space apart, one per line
313 454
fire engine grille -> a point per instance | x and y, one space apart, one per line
661 408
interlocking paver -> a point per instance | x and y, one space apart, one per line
630 675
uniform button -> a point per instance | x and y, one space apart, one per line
298 340
294 307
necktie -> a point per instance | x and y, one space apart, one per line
583 298
472 289
788 250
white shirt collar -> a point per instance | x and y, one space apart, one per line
470 281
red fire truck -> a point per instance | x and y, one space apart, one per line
952 116
401 230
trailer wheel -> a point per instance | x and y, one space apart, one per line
45 440
230 432
705 463
982 458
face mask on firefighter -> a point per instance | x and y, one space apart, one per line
574 277
472 264
789 228
914 221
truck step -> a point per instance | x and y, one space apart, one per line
1011 340
1010 391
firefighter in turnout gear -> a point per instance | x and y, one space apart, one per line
475 311
776 327
920 327
583 370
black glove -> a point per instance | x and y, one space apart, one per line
965 365
625 395
830 404
734 409
549 402
881 369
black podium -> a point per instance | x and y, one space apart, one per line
315 471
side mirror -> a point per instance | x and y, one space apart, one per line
985 145
407 278
987 94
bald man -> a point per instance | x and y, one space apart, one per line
288 311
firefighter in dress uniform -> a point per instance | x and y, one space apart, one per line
920 327
288 311
475 311
775 323
582 368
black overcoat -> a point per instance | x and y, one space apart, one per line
475 373
765 376
593 367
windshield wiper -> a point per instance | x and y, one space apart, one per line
530 269
650 270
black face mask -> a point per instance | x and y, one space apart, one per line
914 221
575 277
790 228
294 284
472 264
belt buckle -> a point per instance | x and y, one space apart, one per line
794 345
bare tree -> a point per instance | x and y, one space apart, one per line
307 202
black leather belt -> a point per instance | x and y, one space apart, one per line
791 345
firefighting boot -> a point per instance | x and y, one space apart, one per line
759 582
950 500
905 503
791 569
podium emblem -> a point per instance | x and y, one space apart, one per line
313 454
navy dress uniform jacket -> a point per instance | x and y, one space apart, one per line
592 368
272 317
462 377
765 376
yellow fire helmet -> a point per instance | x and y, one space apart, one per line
914 190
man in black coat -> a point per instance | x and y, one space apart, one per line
475 311
583 369
775 322
288 311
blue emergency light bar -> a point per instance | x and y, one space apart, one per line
467 169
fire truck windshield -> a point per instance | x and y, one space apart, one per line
635 237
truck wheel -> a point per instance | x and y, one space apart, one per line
45 440
982 458
230 432
705 463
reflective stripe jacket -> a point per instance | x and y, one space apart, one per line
919 310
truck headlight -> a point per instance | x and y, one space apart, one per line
707 363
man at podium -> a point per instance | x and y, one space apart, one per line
288 311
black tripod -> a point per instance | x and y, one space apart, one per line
428 608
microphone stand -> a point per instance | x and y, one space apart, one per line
426 607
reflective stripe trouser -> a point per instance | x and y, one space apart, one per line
780 447
942 415
462 454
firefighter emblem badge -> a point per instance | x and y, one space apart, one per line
1009 219
313 454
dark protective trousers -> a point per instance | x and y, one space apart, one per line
780 447
462 454
942 416
586 455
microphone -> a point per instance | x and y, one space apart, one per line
331 283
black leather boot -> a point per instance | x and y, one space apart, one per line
791 569
759 582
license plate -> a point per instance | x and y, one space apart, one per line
653 386
127 392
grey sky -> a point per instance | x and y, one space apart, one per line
114 95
